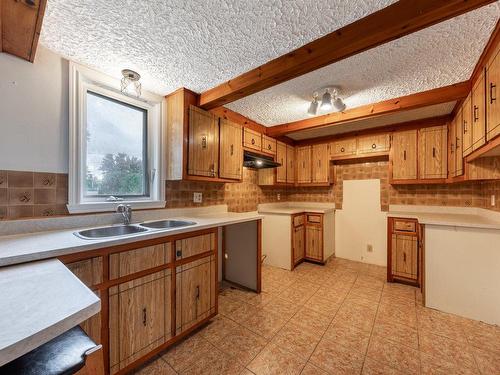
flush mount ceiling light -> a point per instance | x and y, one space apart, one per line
130 83
329 100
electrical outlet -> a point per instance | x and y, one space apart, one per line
369 248
279 196
493 200
197 197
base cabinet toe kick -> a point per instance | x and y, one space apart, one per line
153 293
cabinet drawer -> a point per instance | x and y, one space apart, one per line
189 247
252 139
314 218
343 147
405 226
268 145
298 220
132 261
373 143
89 271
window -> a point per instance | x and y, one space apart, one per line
115 145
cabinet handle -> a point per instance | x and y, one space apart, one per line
204 141
452 147
198 292
456 143
434 152
465 126
404 155
374 146
232 150
492 86
319 163
476 117
342 149
404 257
212 169
144 317
303 164
269 146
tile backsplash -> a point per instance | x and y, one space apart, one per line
37 194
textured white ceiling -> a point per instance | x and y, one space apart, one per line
441 55
376 122
191 43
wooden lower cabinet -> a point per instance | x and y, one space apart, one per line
298 239
403 255
314 242
196 289
139 318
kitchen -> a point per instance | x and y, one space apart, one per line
325 204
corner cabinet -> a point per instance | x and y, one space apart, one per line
404 253
313 164
153 293
492 100
478 114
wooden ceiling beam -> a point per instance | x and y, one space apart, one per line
238 118
395 21
422 99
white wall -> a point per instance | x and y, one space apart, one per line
361 222
462 271
34 113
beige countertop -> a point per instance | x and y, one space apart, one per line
40 301
291 208
448 216
26 247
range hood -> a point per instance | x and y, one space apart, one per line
256 161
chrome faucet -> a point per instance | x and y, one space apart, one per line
126 211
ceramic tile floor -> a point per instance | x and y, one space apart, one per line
341 318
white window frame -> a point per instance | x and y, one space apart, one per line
81 80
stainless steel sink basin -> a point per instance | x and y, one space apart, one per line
165 224
111 231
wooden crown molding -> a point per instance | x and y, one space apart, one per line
238 118
395 21
20 25
422 99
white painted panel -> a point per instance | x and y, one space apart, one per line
277 240
361 222
462 271
34 113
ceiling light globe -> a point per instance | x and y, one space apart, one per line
326 101
339 105
313 107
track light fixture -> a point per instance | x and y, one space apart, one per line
329 100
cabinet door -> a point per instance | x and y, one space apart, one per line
404 155
459 159
139 318
231 150
492 101
92 326
404 256
467 126
298 244
203 149
290 164
304 164
195 292
433 152
452 134
314 242
478 114
320 163
268 145
281 158
89 271
343 147
373 143
252 139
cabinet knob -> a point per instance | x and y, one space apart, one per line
374 146
178 253
253 141
342 149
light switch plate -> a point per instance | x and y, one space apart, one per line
197 197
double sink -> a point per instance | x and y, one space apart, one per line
125 230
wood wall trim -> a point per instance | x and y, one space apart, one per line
399 19
414 124
422 99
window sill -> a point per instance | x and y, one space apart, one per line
91 207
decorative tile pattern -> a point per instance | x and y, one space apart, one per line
392 335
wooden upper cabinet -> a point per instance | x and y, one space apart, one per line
281 155
203 148
433 152
231 150
458 155
373 143
290 164
478 114
404 155
452 134
320 163
252 139
268 145
492 100
467 126
343 147
303 162
196 290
